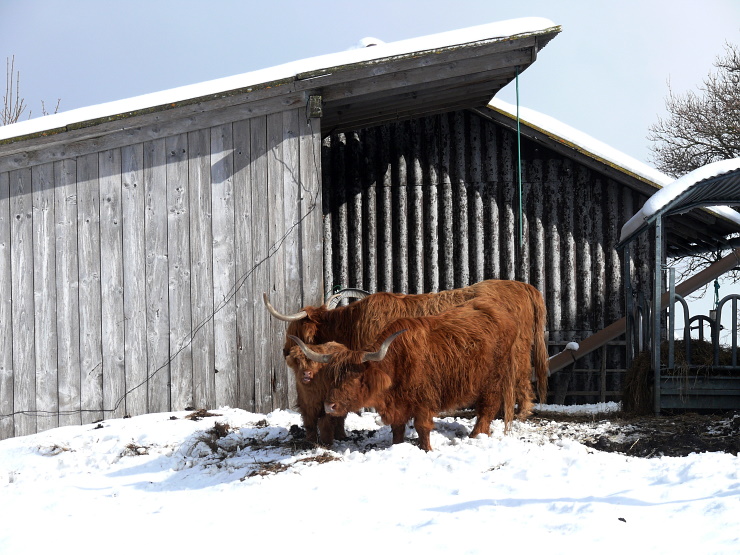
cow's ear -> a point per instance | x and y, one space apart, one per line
377 380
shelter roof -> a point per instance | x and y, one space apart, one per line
715 185
712 226
358 87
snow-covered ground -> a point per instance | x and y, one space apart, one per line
239 482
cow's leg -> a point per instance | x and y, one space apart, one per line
424 424
486 410
399 432
521 364
310 422
339 432
326 429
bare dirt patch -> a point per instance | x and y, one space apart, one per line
675 435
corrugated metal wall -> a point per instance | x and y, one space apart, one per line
433 203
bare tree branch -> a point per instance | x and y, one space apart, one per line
14 105
701 128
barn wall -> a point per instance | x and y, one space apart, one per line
433 203
131 278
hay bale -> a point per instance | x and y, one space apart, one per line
637 394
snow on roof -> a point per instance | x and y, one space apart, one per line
582 141
669 193
379 51
668 187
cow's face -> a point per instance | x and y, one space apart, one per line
358 387
305 370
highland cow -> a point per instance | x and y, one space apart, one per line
359 324
469 355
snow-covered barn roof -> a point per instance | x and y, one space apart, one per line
716 185
714 226
358 87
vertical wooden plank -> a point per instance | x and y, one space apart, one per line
276 233
264 326
475 199
431 203
355 223
536 202
6 314
311 201
134 278
88 237
614 278
447 245
369 182
156 210
509 208
45 297
598 258
400 213
583 283
568 224
416 209
552 237
246 230
111 266
524 243
68 303
224 277
340 222
583 240
492 269
385 239
24 361
178 253
460 203
201 268
285 379
327 229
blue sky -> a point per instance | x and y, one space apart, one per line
606 74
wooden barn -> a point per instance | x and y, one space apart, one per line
434 203
137 237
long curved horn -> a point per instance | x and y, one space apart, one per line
349 293
380 355
283 317
311 355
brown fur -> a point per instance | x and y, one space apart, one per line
359 324
312 390
468 355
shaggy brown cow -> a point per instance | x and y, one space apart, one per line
468 355
358 324
312 391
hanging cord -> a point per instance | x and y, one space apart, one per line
716 293
519 164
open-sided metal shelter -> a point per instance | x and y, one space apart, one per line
716 186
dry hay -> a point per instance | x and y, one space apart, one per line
637 395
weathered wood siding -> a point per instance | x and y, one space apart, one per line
131 279
433 204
